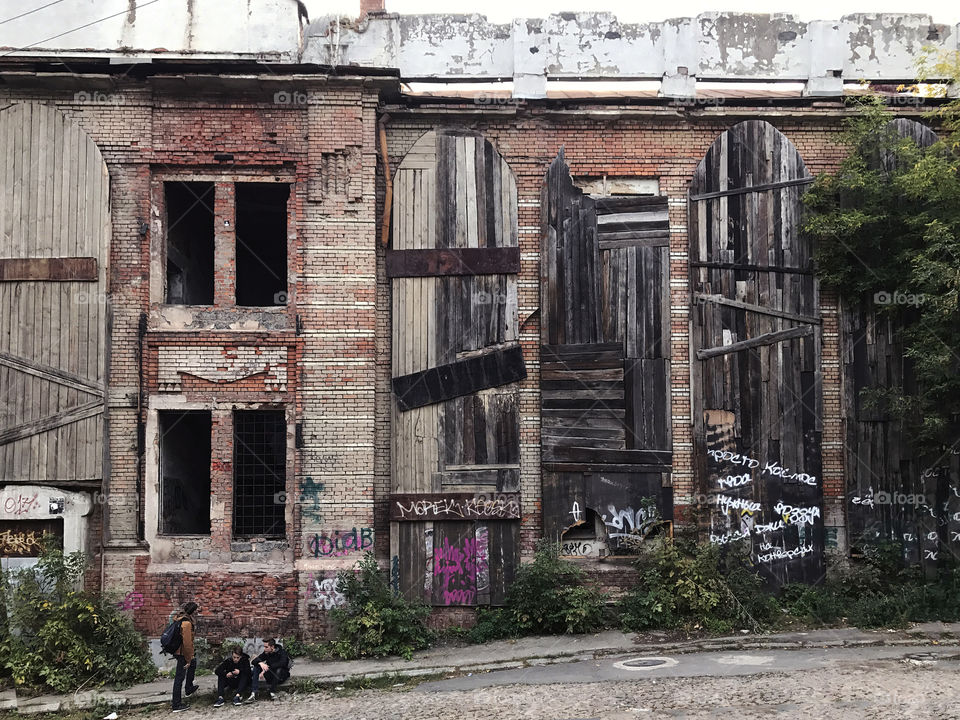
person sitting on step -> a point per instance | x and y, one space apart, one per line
272 666
234 673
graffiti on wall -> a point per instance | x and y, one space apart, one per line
310 491
21 504
23 543
456 568
324 592
337 543
456 506
131 601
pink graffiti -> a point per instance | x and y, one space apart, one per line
457 567
21 504
132 601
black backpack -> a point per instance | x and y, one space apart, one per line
172 638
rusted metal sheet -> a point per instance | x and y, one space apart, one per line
456 261
756 383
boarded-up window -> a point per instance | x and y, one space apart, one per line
185 472
261 243
190 242
259 473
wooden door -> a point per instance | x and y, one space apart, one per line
894 494
604 360
456 359
756 384
54 235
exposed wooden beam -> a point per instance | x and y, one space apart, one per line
55 375
721 300
453 261
753 188
760 340
51 422
750 267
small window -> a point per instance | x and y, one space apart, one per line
262 244
259 473
185 472
190 242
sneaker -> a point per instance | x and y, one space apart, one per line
191 690
237 700
253 696
219 702
273 696
180 708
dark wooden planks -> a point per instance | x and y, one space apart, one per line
58 269
765 339
453 261
491 369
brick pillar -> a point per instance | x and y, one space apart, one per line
225 252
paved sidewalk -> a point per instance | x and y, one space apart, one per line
504 655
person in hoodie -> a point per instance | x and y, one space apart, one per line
186 660
233 673
272 666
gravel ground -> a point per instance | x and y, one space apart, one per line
878 689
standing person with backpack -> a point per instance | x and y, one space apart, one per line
184 654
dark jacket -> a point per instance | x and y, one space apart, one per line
228 666
278 661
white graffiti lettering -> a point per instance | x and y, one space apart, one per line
576 512
732 481
503 507
777 470
797 515
865 500
736 459
770 527
728 503
326 594
629 521
783 554
728 538
930 554
909 537
933 536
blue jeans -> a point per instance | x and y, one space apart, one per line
182 669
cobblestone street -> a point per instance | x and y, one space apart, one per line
877 689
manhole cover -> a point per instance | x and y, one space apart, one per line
645 663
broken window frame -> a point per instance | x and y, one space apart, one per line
225 241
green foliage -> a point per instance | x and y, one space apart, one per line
682 585
375 622
889 220
63 638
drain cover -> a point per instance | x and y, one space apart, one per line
645 663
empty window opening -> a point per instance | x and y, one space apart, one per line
190 242
259 473
262 243
612 185
185 472
587 539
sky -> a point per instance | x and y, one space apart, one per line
942 11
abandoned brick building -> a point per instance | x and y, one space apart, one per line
278 292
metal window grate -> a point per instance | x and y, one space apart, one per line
259 473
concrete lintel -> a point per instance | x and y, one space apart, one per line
824 87
678 86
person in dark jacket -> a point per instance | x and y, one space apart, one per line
272 666
186 660
233 673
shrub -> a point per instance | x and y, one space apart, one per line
375 622
63 638
548 596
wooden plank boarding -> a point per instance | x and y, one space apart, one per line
52 269
464 377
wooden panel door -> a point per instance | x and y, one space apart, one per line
54 237
604 360
756 326
456 364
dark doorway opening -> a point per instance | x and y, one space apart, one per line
185 472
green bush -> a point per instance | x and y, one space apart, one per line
62 638
374 621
